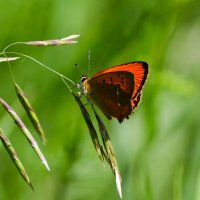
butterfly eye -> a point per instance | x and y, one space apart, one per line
83 78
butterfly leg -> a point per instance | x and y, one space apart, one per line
75 85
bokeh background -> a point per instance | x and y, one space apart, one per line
158 148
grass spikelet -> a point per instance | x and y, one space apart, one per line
110 152
118 182
8 59
91 128
55 42
30 112
13 155
26 132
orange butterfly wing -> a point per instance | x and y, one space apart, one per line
117 90
138 69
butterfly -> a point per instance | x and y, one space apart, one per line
116 90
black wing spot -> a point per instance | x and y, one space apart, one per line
122 81
104 80
111 80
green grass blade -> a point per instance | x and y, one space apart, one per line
26 132
91 128
30 112
13 155
110 152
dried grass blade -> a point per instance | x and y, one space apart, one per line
26 132
8 59
63 41
30 112
110 152
13 155
91 128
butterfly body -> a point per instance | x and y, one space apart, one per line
117 90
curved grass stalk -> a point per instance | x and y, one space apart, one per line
40 63
15 43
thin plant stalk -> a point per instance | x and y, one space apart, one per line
40 63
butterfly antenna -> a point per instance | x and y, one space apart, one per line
88 62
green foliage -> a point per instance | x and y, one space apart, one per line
157 149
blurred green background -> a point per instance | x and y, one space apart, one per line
158 148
